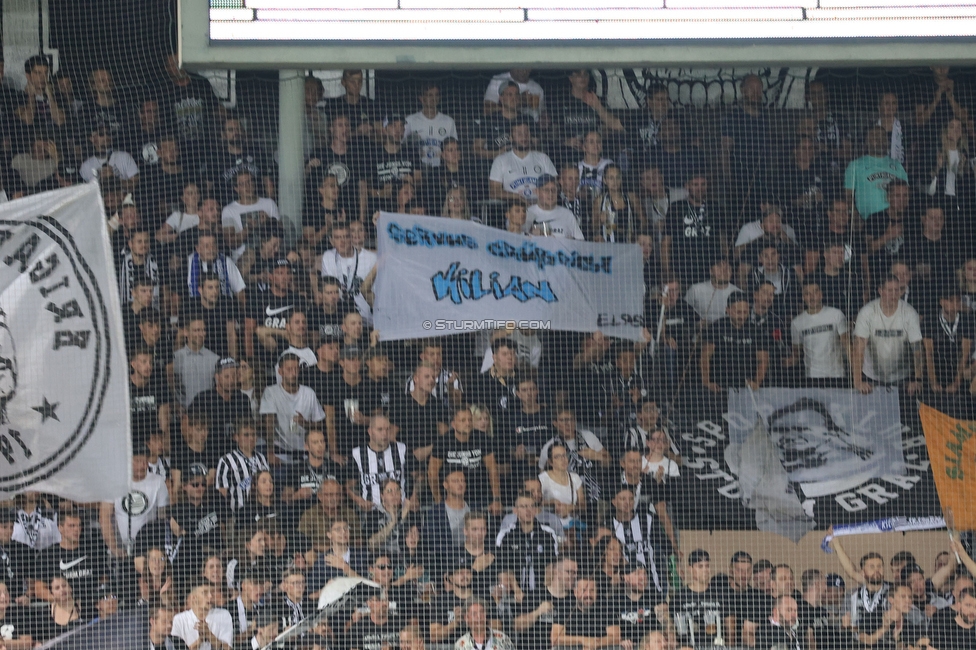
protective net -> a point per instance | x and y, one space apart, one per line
642 454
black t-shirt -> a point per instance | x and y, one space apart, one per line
145 402
184 458
947 339
499 398
325 384
223 414
945 633
348 433
16 565
270 310
84 568
909 635
592 622
539 635
202 532
495 131
386 167
327 324
348 168
572 117
469 457
894 250
160 193
695 233
303 475
675 166
519 428
418 424
636 618
190 108
223 167
705 609
367 635
814 234
940 257
362 112
746 605
826 631
734 360
442 609
380 392
17 622
751 135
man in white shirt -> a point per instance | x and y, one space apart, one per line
146 502
107 163
515 174
211 626
549 218
350 267
240 218
532 95
288 409
429 127
709 299
820 334
886 329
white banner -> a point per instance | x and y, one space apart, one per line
64 408
443 276
791 446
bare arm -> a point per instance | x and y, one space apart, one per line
845 561
433 478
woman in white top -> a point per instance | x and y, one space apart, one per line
656 462
562 489
950 176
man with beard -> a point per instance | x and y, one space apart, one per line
197 520
542 608
585 625
780 630
957 628
224 403
873 590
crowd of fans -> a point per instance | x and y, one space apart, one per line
511 488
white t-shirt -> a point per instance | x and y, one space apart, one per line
218 620
887 356
43 531
707 301
753 231
552 491
530 86
181 221
429 135
121 163
285 406
670 467
560 221
235 215
350 272
141 505
521 175
819 336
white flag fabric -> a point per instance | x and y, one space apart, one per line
440 276
64 407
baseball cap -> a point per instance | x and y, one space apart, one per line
198 469
350 352
282 262
545 179
834 580
226 362
129 199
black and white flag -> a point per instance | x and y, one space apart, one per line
64 411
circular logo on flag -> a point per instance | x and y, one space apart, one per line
55 349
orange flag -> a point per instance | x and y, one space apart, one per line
952 452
